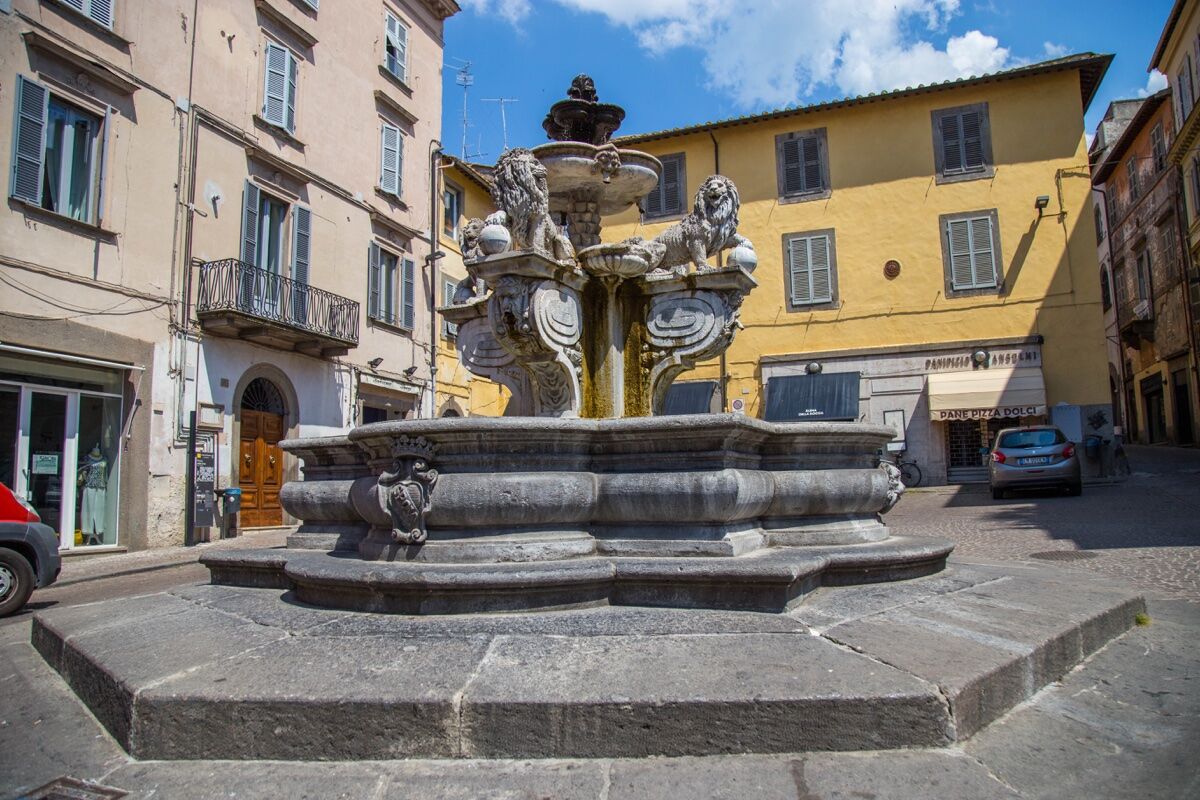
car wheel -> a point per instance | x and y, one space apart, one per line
997 494
16 581
1074 489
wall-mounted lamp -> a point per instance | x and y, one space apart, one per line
429 259
813 368
408 372
1041 203
375 362
980 357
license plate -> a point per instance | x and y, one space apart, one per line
1026 462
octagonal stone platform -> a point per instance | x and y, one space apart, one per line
221 672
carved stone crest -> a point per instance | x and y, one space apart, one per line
406 488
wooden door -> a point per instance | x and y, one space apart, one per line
260 469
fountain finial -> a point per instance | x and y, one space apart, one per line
581 117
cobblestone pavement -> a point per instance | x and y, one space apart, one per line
1145 530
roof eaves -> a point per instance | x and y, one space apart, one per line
1092 68
1168 29
1121 146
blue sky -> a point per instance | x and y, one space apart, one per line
671 63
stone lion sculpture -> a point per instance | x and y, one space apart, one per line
708 229
471 286
521 193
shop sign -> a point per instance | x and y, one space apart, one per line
996 358
1003 412
45 463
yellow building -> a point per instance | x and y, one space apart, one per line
926 259
466 194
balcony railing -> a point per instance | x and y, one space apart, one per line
238 299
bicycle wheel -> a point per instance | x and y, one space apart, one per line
910 473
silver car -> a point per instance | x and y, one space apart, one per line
1037 456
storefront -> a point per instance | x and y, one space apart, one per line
382 398
62 420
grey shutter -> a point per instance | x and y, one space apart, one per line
408 281
301 252
373 281
448 289
672 192
397 37
951 143
820 269
798 265
810 147
291 92
958 243
654 205
982 257
275 85
101 11
103 170
76 4
972 138
389 168
246 272
793 172
29 140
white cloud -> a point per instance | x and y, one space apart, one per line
1053 50
1155 83
765 53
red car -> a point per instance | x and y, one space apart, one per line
29 556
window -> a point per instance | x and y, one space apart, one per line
390 297
1105 291
1183 90
1110 195
802 165
313 4
971 252
1120 283
449 329
1166 238
1195 186
395 47
264 236
98 11
452 209
279 88
962 143
391 159
1143 274
666 199
811 268
1131 173
1158 147
57 154
1099 223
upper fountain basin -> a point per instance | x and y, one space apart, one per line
614 179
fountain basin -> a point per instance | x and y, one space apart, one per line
575 170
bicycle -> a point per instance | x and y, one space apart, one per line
910 473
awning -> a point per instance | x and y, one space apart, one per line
823 396
987 394
689 397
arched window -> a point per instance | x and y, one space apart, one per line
262 395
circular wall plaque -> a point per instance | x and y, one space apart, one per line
891 268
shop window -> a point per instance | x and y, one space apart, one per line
667 198
279 87
971 253
802 165
395 49
96 473
57 153
811 269
962 143
391 159
391 289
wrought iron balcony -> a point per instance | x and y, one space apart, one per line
242 301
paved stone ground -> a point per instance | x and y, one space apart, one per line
1145 530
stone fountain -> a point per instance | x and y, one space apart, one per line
582 495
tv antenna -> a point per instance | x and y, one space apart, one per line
465 79
503 118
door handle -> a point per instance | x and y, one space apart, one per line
272 460
247 458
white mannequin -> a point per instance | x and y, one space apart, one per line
93 480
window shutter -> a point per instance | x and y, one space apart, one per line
819 268
275 90
250 199
810 148
389 169
654 204
103 166
448 289
672 195
373 281
799 266
793 173
958 235
301 251
101 12
951 144
293 66
408 280
76 4
397 37
29 140
982 257
972 136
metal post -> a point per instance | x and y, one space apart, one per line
189 510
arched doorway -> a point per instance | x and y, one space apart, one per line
260 459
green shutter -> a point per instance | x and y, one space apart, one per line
293 66
250 201
29 140
301 250
373 281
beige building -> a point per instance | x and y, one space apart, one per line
1177 55
222 209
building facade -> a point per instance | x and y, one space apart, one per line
201 235
939 278
1177 55
1145 277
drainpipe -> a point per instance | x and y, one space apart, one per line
1185 247
722 383
435 157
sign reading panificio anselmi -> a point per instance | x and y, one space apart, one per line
1003 412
